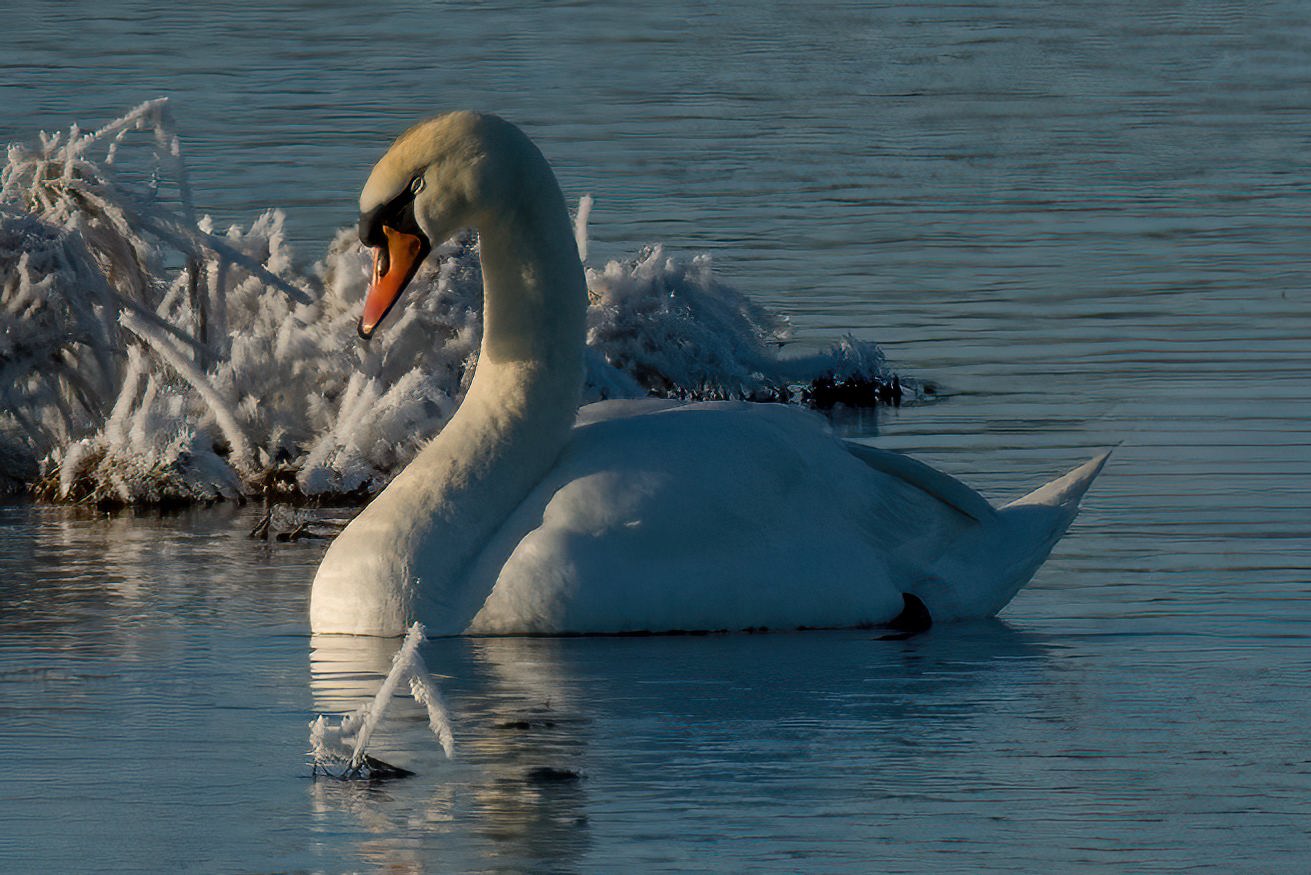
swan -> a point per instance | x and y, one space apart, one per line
529 515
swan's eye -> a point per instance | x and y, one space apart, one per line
416 185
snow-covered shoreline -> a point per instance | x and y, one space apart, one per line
147 359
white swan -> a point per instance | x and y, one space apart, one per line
528 515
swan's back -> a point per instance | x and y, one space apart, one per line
661 516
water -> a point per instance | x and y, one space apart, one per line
328 739
1086 222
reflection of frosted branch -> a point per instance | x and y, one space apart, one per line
439 720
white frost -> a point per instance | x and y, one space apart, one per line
346 742
147 358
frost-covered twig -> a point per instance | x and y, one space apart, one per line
254 382
330 742
226 418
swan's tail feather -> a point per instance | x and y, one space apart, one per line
988 565
1065 491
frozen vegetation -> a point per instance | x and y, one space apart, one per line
148 358
339 748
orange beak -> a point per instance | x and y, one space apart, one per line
393 267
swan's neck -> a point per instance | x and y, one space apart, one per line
526 388
534 292
516 417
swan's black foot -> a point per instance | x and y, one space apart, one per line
913 619
369 769
377 770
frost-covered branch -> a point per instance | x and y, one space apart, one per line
147 358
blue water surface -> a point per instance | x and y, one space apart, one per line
1086 222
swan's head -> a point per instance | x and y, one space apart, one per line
440 176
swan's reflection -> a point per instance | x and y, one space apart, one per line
650 722
515 790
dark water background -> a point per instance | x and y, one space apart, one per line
1089 223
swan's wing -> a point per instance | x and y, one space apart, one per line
603 411
710 516
704 516
943 487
